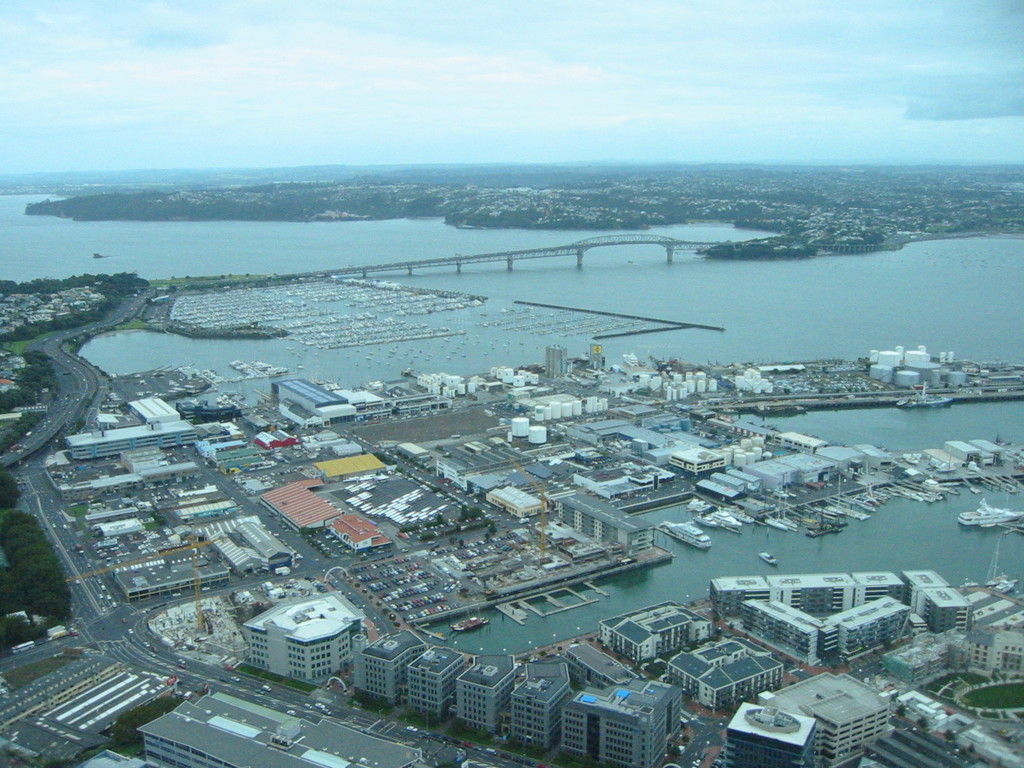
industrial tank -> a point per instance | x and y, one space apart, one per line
520 427
538 435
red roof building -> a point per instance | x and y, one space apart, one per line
358 533
298 506
279 439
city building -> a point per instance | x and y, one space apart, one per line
430 681
516 502
173 574
104 443
926 656
939 605
483 691
995 650
227 732
818 594
764 737
380 667
627 726
848 713
305 638
593 667
649 632
722 674
556 361
697 462
536 704
604 523
298 507
358 533
811 639
903 748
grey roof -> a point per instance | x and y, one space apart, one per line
240 734
599 663
606 513
437 659
392 646
489 671
545 681
836 698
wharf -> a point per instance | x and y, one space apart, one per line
801 403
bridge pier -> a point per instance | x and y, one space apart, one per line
509 263
364 274
579 258
410 270
669 253
458 267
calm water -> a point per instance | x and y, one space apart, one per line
950 295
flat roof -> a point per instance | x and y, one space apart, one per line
300 505
366 462
309 618
779 726
835 698
101 437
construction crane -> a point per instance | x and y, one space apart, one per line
542 524
194 546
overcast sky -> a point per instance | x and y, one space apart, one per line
114 84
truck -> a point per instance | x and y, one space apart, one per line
57 632
283 570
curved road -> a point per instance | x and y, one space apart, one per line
79 383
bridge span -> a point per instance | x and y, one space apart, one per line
577 249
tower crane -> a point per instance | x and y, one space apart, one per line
542 524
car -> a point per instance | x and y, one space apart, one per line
265 688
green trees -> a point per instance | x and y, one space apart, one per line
34 580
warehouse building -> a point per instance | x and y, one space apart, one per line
105 443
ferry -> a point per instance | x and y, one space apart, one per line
986 515
769 558
474 622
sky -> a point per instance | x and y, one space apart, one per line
114 84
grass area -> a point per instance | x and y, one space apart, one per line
23 675
1003 696
132 325
18 347
204 281
299 685
78 510
956 678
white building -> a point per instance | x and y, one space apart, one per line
305 638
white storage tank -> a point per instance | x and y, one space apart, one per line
890 358
549 413
873 356
739 459
956 378
915 356
577 407
906 378
520 426
712 385
880 372
538 435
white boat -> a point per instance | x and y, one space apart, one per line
708 521
986 515
1003 584
768 557
698 505
725 520
742 517
688 533
776 522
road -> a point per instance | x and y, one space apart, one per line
80 385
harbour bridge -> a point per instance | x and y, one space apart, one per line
577 249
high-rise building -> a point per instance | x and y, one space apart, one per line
556 361
536 718
430 681
849 714
305 638
380 668
765 737
483 691
627 726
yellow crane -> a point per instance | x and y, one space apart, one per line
542 524
194 546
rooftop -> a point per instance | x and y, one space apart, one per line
309 618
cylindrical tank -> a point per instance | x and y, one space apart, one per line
873 356
915 356
880 372
907 378
956 378
538 435
520 426
739 459
577 407
712 385
745 443
755 453
889 358
549 413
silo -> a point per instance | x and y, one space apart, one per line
702 385
907 378
712 385
538 435
739 459
758 441
549 413
881 372
538 413
745 443
520 426
956 378
577 407
755 454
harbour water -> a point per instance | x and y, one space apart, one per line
960 295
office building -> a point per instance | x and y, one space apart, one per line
648 633
305 638
105 443
764 737
380 667
221 731
940 606
483 692
722 674
556 361
849 714
604 523
590 666
626 726
430 681
536 711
